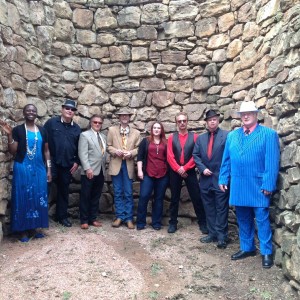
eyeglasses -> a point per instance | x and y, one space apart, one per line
181 121
69 108
97 123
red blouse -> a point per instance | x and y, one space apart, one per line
157 160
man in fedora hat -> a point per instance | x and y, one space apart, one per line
208 152
63 135
122 145
251 164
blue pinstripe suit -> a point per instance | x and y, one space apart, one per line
251 164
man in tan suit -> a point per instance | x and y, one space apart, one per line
122 145
91 152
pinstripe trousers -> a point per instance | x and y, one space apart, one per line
246 222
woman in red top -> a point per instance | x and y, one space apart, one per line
153 173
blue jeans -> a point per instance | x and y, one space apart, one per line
123 194
148 184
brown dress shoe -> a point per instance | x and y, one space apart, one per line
116 223
96 224
84 226
130 225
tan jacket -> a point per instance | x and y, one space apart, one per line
114 142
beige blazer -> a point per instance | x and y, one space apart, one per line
90 153
114 142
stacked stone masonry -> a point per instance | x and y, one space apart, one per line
159 57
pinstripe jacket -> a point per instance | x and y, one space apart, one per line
250 164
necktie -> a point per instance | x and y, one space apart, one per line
100 143
210 145
247 131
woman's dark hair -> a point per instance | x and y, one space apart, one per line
162 134
26 106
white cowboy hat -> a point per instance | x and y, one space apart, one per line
248 106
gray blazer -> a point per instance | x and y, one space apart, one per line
90 154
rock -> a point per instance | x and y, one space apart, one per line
64 30
31 72
138 99
214 8
140 69
89 64
260 69
173 57
129 17
92 95
242 80
226 73
226 22
120 99
234 49
199 56
127 85
154 13
201 83
152 84
139 53
194 111
185 86
251 31
178 29
183 10
206 27
146 32
104 19
62 9
291 92
218 41
165 71
45 36
247 13
113 70
121 53
265 12
162 98
86 37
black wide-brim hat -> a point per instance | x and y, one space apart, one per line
211 113
70 103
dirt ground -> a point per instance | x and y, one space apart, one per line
118 264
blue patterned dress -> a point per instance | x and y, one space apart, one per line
29 203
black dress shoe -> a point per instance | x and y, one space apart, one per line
203 229
65 223
222 245
208 239
267 261
242 254
172 228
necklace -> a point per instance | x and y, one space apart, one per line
31 153
157 146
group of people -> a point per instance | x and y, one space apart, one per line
238 168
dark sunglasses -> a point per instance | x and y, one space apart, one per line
97 123
181 121
69 108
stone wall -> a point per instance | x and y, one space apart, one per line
159 57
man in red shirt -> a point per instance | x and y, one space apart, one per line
181 161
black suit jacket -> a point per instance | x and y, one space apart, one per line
214 164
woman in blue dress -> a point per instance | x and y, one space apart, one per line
28 144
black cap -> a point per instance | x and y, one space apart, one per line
210 113
70 103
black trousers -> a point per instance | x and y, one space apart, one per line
216 208
193 188
62 177
90 194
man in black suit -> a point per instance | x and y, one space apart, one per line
207 153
